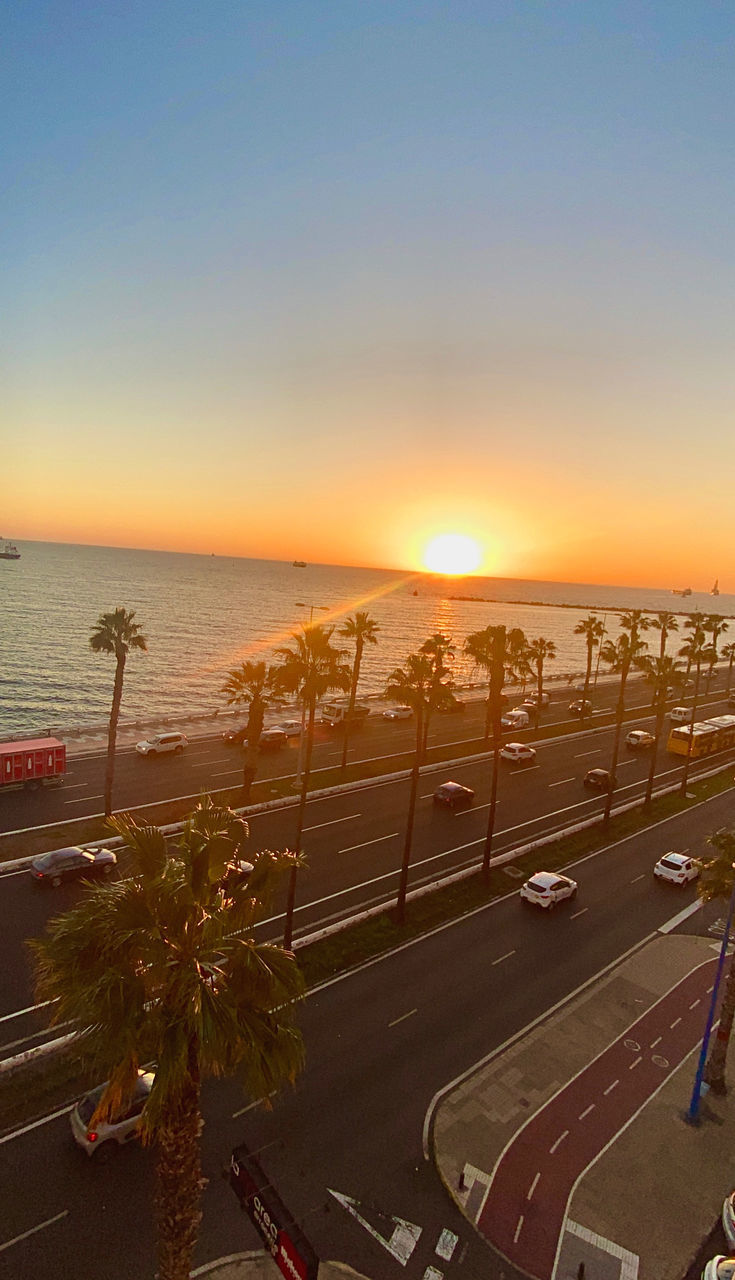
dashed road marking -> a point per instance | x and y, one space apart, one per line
675 1023
351 848
586 1111
562 783
579 913
500 959
557 1144
403 1017
533 1186
518 1229
694 1004
610 1087
637 878
653 1043
332 822
635 1063
24 1236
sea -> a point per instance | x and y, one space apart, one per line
204 614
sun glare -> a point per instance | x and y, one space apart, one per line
453 554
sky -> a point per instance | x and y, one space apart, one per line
323 281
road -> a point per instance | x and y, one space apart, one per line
381 1042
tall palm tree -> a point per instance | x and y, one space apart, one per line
538 652
694 623
728 651
498 642
698 653
310 668
115 633
716 881
163 966
665 622
627 647
417 686
250 684
363 630
593 629
440 650
518 664
714 625
481 648
661 673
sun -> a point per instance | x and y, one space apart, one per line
453 554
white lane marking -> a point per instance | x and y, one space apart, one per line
518 1229
635 1063
710 989
562 783
675 1023
24 1236
446 1244
30 1009
258 1102
579 913
681 917
84 799
694 1003
36 1124
228 773
75 786
402 1018
637 878
610 1087
560 1139
582 754
655 1042
333 821
500 959
622 763
586 1111
533 1186
403 1239
6 875
378 840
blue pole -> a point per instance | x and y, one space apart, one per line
693 1112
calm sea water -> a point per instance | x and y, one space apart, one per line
204 614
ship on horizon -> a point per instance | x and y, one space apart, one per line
716 588
299 564
686 591
9 550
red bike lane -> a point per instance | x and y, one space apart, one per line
524 1211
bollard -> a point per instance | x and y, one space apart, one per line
580 1271
462 1185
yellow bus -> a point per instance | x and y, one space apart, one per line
708 736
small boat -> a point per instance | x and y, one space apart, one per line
687 591
9 551
716 588
299 564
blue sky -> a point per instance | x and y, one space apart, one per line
485 246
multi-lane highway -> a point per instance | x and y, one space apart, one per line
380 1043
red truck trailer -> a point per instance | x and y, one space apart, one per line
35 762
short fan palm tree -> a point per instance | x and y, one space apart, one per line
250 684
621 655
309 668
716 882
415 685
593 629
115 633
363 630
164 967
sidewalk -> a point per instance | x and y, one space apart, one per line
260 1266
543 1121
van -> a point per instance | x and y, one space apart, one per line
680 715
517 719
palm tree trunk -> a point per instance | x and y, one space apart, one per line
487 853
588 672
179 1184
619 712
488 715
408 841
714 1071
657 730
690 743
112 731
291 900
729 672
351 704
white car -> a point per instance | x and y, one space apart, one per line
719 1268
680 715
517 753
92 1137
639 740
398 713
676 868
728 1220
533 697
546 888
292 728
162 743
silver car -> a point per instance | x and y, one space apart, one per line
93 1138
162 744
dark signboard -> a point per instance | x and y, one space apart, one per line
282 1238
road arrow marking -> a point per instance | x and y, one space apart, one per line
404 1238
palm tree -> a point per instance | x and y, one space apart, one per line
415 685
310 668
697 653
728 651
714 625
163 966
593 629
517 662
116 633
363 630
439 650
694 622
480 647
665 622
625 649
717 880
538 652
661 673
250 684
497 644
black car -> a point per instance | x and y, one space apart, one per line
449 708
580 707
452 795
72 864
600 780
235 737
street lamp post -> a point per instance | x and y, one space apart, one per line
300 758
693 1113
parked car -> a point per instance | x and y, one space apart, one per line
680 715
235 737
452 795
272 739
600 780
547 888
728 1220
73 863
676 868
639 740
517 753
533 698
162 744
580 707
719 1268
291 728
398 713
93 1138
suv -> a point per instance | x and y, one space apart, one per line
680 715
162 744
92 1138
517 753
